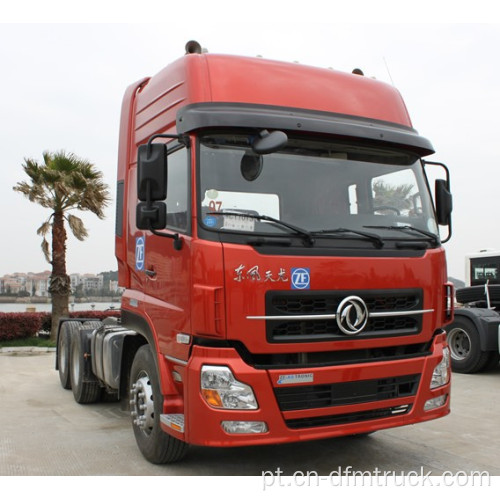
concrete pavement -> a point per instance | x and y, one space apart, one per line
44 432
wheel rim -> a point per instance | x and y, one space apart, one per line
75 363
459 342
142 404
62 353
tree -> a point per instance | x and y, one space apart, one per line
64 182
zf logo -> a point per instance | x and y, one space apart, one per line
300 278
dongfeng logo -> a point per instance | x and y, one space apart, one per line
352 315
300 278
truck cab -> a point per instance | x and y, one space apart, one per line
278 244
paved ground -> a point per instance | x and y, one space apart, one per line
44 432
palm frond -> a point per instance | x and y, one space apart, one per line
77 227
46 250
44 228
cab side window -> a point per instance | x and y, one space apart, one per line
178 191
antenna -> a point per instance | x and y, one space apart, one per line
388 72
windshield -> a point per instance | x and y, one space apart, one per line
316 186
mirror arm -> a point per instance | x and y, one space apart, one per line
425 162
183 138
176 237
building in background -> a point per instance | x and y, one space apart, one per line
37 284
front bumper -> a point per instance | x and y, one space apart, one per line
357 398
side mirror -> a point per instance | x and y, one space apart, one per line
152 172
151 186
151 215
444 202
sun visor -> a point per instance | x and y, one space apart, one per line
223 115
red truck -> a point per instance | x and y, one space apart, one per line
278 244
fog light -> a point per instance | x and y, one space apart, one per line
242 427
221 390
441 374
434 403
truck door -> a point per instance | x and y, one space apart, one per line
167 269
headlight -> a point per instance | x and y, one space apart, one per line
220 389
441 374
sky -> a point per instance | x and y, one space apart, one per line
64 72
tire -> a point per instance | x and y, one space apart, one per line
146 403
465 347
91 324
84 384
63 351
492 362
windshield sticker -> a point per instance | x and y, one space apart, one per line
301 279
212 194
296 378
139 253
210 221
239 223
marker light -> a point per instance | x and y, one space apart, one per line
434 403
441 374
243 427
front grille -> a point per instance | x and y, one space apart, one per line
346 393
347 418
292 303
325 302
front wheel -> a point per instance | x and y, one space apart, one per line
146 404
465 347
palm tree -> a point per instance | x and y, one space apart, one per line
398 197
62 183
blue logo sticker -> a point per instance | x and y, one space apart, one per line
140 250
210 221
301 279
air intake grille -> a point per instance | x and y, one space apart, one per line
347 418
304 397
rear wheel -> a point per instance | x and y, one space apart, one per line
465 347
63 351
146 404
84 383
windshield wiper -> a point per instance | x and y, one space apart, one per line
377 241
431 236
297 230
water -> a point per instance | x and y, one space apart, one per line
87 306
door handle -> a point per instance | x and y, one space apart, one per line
150 273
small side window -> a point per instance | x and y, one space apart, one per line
178 191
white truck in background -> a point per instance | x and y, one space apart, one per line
474 334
